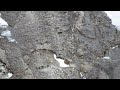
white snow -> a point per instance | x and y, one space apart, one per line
9 75
6 33
61 61
3 23
11 39
114 47
106 57
82 75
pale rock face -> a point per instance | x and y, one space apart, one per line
48 37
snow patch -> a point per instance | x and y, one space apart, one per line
82 75
9 75
61 61
6 33
114 47
11 39
3 23
106 57
4 73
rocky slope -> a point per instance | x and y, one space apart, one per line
85 40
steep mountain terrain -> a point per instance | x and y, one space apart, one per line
86 41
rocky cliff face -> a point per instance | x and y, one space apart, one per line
85 40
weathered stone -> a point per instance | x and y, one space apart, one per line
116 72
103 75
83 37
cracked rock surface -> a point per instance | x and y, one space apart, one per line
81 38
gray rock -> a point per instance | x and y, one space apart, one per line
116 72
83 37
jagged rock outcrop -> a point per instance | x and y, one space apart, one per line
81 38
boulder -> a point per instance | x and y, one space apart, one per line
83 37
